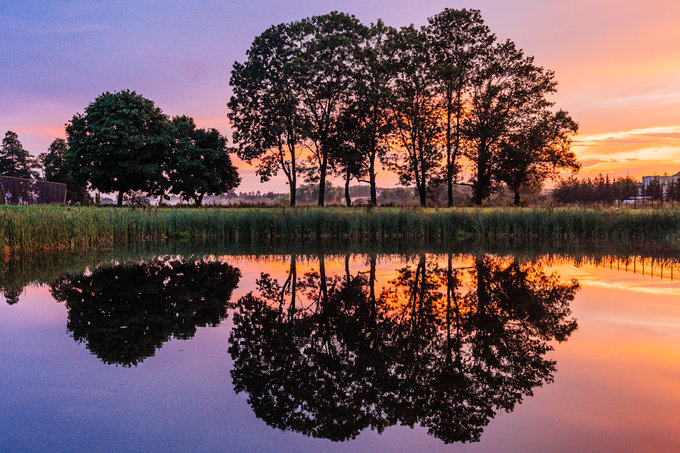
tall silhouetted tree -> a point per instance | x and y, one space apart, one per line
200 163
457 38
506 87
366 122
329 46
15 160
416 112
121 143
265 107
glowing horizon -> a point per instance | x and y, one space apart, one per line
617 65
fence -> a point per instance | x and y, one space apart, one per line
33 192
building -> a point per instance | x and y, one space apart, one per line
31 191
663 180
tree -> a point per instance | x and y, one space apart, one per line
200 162
506 86
416 112
121 143
329 46
56 170
264 109
15 160
537 151
654 190
457 38
366 122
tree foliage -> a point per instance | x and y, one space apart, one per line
200 162
537 150
55 169
123 324
265 108
15 160
121 143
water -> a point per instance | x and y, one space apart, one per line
206 350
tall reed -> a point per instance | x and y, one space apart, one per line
50 227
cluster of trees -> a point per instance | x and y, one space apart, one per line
601 189
423 102
123 143
442 346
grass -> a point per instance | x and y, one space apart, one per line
51 227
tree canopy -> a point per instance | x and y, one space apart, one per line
200 163
15 160
433 104
121 143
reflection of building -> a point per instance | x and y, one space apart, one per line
663 180
31 191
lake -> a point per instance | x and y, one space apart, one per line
200 348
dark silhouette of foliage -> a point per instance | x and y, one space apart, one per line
265 107
15 160
125 313
416 112
457 39
444 348
537 151
598 190
329 46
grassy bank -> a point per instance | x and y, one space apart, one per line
50 227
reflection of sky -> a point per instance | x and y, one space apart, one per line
615 388
617 64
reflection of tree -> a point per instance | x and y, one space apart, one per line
124 313
11 295
445 348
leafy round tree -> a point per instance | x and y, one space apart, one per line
200 162
120 144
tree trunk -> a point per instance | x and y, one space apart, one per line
322 183
348 199
292 180
120 197
423 196
449 166
198 200
516 197
371 180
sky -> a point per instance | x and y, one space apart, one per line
617 64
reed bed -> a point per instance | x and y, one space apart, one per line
52 227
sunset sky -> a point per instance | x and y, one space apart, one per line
617 63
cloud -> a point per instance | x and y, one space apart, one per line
636 152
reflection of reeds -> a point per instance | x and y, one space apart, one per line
48 227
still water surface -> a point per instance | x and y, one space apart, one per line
475 351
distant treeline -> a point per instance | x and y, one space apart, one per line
601 189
